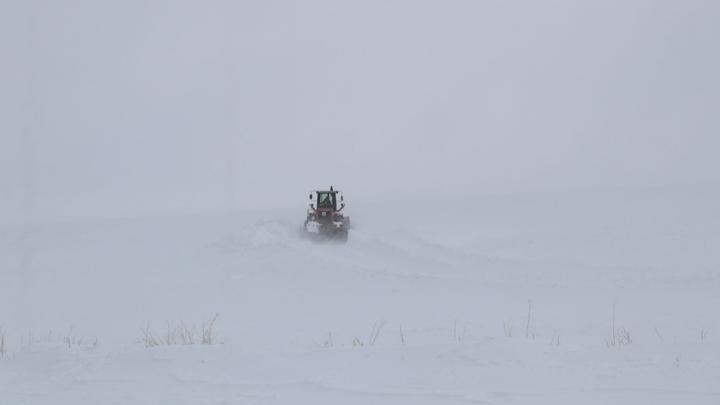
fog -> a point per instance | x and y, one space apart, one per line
150 107
533 188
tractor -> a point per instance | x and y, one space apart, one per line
325 221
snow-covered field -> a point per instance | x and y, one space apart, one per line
499 299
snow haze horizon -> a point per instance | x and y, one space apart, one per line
139 108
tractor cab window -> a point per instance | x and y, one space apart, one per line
326 200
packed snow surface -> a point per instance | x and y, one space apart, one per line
603 297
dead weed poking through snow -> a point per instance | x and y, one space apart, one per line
180 334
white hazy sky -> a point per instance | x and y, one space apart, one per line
139 107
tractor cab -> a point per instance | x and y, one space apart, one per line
326 208
326 200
